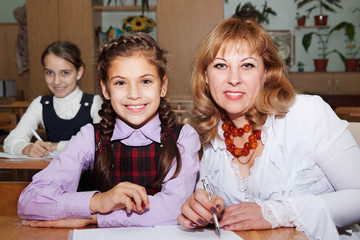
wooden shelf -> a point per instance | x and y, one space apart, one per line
300 27
122 8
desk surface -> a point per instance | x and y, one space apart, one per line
11 228
23 163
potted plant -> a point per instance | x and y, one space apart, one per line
351 61
301 19
249 11
321 64
300 66
328 5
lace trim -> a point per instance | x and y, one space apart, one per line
268 213
242 184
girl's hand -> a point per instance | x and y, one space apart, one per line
243 216
198 210
127 195
61 223
38 149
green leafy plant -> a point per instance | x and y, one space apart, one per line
328 5
324 39
298 15
249 11
300 64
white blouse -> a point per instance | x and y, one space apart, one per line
307 175
65 108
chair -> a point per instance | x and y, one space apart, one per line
7 121
354 128
351 114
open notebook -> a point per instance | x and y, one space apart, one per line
174 232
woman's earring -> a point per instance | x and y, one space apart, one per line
162 94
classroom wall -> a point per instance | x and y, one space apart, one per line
285 20
6 10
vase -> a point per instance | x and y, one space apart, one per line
320 65
320 20
351 64
127 2
301 21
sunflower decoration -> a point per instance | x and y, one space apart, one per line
133 24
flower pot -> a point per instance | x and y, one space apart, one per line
351 64
301 21
300 69
320 65
320 20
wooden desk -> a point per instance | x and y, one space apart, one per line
11 228
17 107
23 163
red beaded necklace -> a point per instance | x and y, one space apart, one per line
230 130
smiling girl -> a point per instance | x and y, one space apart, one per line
62 113
141 164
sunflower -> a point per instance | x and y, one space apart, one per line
133 24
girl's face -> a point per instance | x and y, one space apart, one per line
235 78
134 89
60 75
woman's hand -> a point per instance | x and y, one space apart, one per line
127 195
38 149
243 216
198 209
62 223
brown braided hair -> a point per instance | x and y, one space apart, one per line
126 46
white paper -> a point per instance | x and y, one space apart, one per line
14 156
175 232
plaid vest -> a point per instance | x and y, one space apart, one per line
139 164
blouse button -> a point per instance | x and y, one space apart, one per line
47 102
86 104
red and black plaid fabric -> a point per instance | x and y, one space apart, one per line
136 164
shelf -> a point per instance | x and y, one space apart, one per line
300 27
122 8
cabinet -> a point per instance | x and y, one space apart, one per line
336 83
181 27
52 20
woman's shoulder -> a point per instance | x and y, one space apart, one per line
310 104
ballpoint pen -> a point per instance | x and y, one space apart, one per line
216 221
39 138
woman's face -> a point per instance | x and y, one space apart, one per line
134 89
235 78
60 75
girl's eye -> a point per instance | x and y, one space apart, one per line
121 83
248 65
65 73
48 72
220 66
146 81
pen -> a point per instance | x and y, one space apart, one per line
39 138
216 221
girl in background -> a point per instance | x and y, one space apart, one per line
143 164
62 113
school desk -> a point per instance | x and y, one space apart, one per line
17 107
11 229
23 163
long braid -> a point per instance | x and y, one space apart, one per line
169 149
101 178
